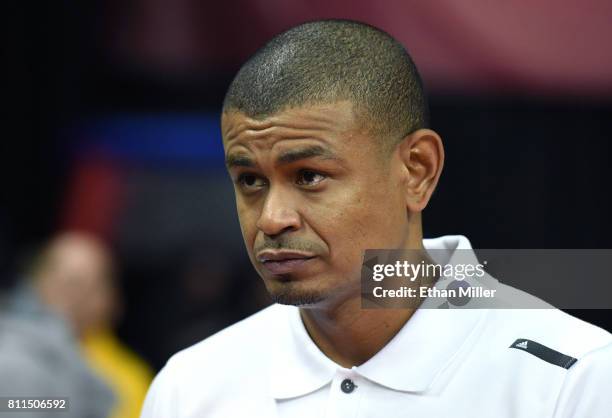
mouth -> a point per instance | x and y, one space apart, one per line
283 262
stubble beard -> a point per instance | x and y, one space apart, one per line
287 292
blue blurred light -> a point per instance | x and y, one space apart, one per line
153 138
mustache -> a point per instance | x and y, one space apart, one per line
288 243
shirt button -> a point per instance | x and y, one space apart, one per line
347 386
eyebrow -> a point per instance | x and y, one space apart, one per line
238 160
304 153
287 157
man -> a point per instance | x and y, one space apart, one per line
326 140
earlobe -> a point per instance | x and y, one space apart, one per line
422 154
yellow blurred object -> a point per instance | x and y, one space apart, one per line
123 370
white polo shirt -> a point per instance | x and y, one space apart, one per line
443 363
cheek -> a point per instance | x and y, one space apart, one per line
367 217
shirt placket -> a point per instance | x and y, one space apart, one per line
345 394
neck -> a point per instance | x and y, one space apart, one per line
350 335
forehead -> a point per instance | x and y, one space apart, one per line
320 121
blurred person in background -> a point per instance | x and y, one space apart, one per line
40 323
71 285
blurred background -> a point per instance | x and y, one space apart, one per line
112 129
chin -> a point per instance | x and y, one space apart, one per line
294 293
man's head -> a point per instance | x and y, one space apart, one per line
329 61
324 136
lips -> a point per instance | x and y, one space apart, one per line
283 262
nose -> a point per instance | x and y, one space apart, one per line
278 214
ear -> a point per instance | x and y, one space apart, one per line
422 155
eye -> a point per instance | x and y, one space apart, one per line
250 181
309 178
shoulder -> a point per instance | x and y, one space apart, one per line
585 390
515 315
539 359
538 351
217 367
552 328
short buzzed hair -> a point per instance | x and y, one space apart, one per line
332 60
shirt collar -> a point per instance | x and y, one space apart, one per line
419 352
298 367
